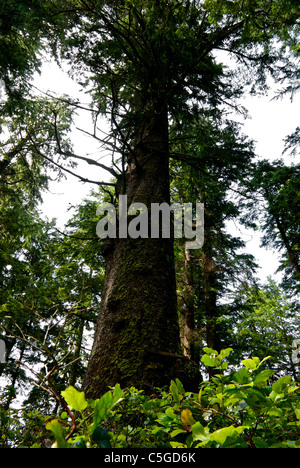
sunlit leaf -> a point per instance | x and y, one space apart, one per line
187 419
75 399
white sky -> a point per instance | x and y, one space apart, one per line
271 121
71 190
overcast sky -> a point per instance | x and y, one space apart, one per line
271 121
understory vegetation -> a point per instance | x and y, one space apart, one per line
245 408
135 340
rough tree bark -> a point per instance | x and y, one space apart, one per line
137 334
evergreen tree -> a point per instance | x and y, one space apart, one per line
50 296
211 275
276 208
266 324
146 65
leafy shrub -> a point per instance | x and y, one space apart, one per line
20 427
240 410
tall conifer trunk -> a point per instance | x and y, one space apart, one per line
137 335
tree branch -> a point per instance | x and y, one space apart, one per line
76 237
75 156
90 162
82 179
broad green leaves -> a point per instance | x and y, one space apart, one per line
75 399
238 403
59 433
101 437
212 358
241 410
99 410
187 419
254 363
262 378
134 54
105 404
177 390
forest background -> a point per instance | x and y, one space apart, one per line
53 275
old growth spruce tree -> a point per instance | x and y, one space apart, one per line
150 66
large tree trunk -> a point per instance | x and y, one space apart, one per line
137 335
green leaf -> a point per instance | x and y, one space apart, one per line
180 386
255 398
199 432
225 352
297 413
251 364
259 442
177 431
170 413
57 429
176 445
281 384
275 411
105 404
221 435
101 409
242 376
187 419
210 361
174 392
262 378
101 437
263 360
224 366
75 399
287 444
118 395
210 351
80 443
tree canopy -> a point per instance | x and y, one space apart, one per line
167 76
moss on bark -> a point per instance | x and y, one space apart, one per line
138 316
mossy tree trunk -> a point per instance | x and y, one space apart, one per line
137 335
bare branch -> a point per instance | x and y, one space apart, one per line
90 161
76 237
82 179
